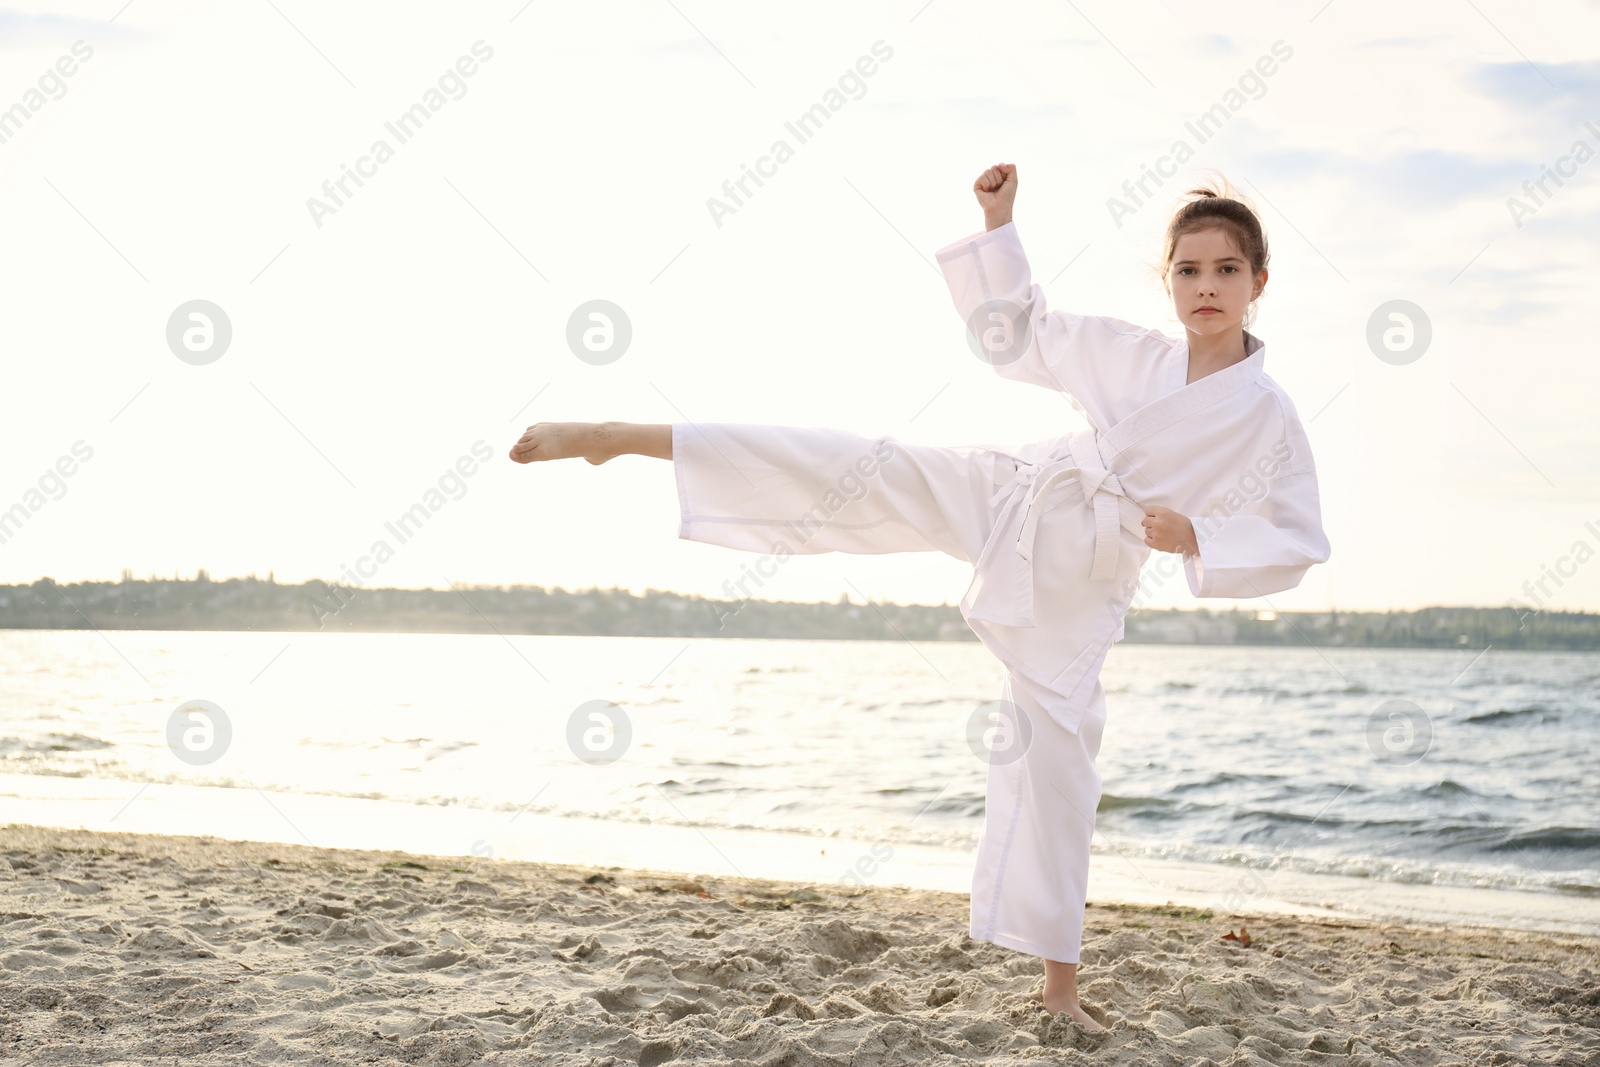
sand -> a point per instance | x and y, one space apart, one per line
127 948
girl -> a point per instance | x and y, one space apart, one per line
1192 450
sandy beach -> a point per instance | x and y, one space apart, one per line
127 948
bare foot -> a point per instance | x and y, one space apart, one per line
566 440
1060 994
1056 1004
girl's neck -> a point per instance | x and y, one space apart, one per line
1211 353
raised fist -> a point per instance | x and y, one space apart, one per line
996 190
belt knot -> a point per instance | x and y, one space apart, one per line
1102 491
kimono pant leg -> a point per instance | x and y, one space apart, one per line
800 489
756 487
1031 878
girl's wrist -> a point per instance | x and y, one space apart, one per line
994 222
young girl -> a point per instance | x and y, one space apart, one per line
1192 450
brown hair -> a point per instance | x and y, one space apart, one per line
1218 209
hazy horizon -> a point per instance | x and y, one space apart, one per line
850 596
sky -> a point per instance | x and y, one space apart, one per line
387 343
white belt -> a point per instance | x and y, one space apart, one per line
1101 488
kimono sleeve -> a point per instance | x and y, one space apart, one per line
1094 359
1265 547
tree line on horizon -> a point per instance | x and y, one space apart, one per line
255 604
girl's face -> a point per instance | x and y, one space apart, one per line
1209 271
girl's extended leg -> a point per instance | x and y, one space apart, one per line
783 490
594 441
798 489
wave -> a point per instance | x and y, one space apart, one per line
1446 787
25 746
1227 778
1275 693
1113 802
1498 858
1553 839
1513 714
1378 868
679 761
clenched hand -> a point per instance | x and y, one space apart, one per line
996 190
1166 530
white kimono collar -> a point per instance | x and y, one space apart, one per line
1187 399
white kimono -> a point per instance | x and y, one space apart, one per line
1054 533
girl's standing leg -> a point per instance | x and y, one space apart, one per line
1032 871
1061 993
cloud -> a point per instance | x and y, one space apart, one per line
1071 42
1439 178
1215 44
1429 178
1508 298
20 30
1400 42
1566 94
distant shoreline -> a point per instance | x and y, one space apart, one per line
503 631
251 605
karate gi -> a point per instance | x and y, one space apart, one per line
1053 530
